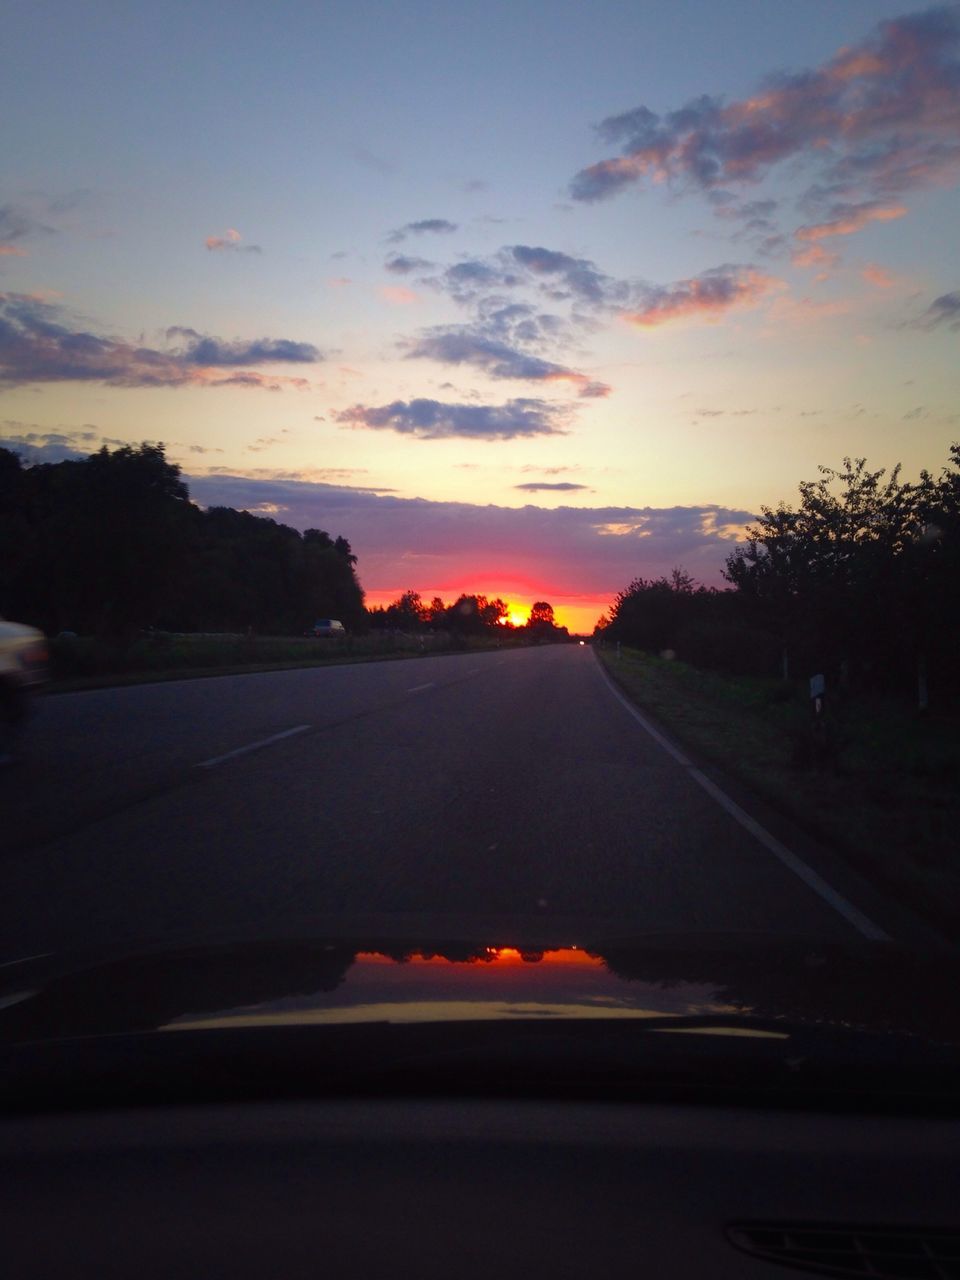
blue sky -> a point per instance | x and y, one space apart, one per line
522 298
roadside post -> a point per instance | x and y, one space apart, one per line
818 689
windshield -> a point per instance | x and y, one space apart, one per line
481 481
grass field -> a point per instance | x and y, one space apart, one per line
882 787
83 662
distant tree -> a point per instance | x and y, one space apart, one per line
491 612
407 613
651 613
435 611
473 615
541 615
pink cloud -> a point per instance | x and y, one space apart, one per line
884 114
399 295
12 251
877 275
815 255
850 221
230 240
707 296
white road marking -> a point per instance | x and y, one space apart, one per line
41 955
809 877
474 671
418 688
253 746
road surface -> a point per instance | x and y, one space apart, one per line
482 792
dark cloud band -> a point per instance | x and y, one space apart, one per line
434 420
37 345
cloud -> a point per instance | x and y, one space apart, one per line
434 420
48 446
459 344
876 275
814 255
847 219
230 241
17 223
708 295
565 550
943 313
39 345
886 111
199 349
555 275
592 295
564 486
511 334
474 279
402 264
573 276
398 294
435 226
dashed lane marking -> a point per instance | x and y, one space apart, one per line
253 746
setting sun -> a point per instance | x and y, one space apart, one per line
516 618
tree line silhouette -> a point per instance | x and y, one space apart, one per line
860 581
111 544
468 615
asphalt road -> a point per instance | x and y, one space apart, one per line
490 793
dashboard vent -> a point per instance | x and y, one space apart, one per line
900 1253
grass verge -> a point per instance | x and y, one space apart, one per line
80 662
882 789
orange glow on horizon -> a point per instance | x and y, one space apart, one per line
579 613
500 957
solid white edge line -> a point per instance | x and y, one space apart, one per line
418 688
810 878
252 746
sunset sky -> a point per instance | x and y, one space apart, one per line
524 299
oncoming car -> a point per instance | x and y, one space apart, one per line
325 628
23 668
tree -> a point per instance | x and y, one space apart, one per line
651 614
834 577
435 611
120 528
407 613
541 615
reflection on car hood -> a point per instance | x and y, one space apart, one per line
734 979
